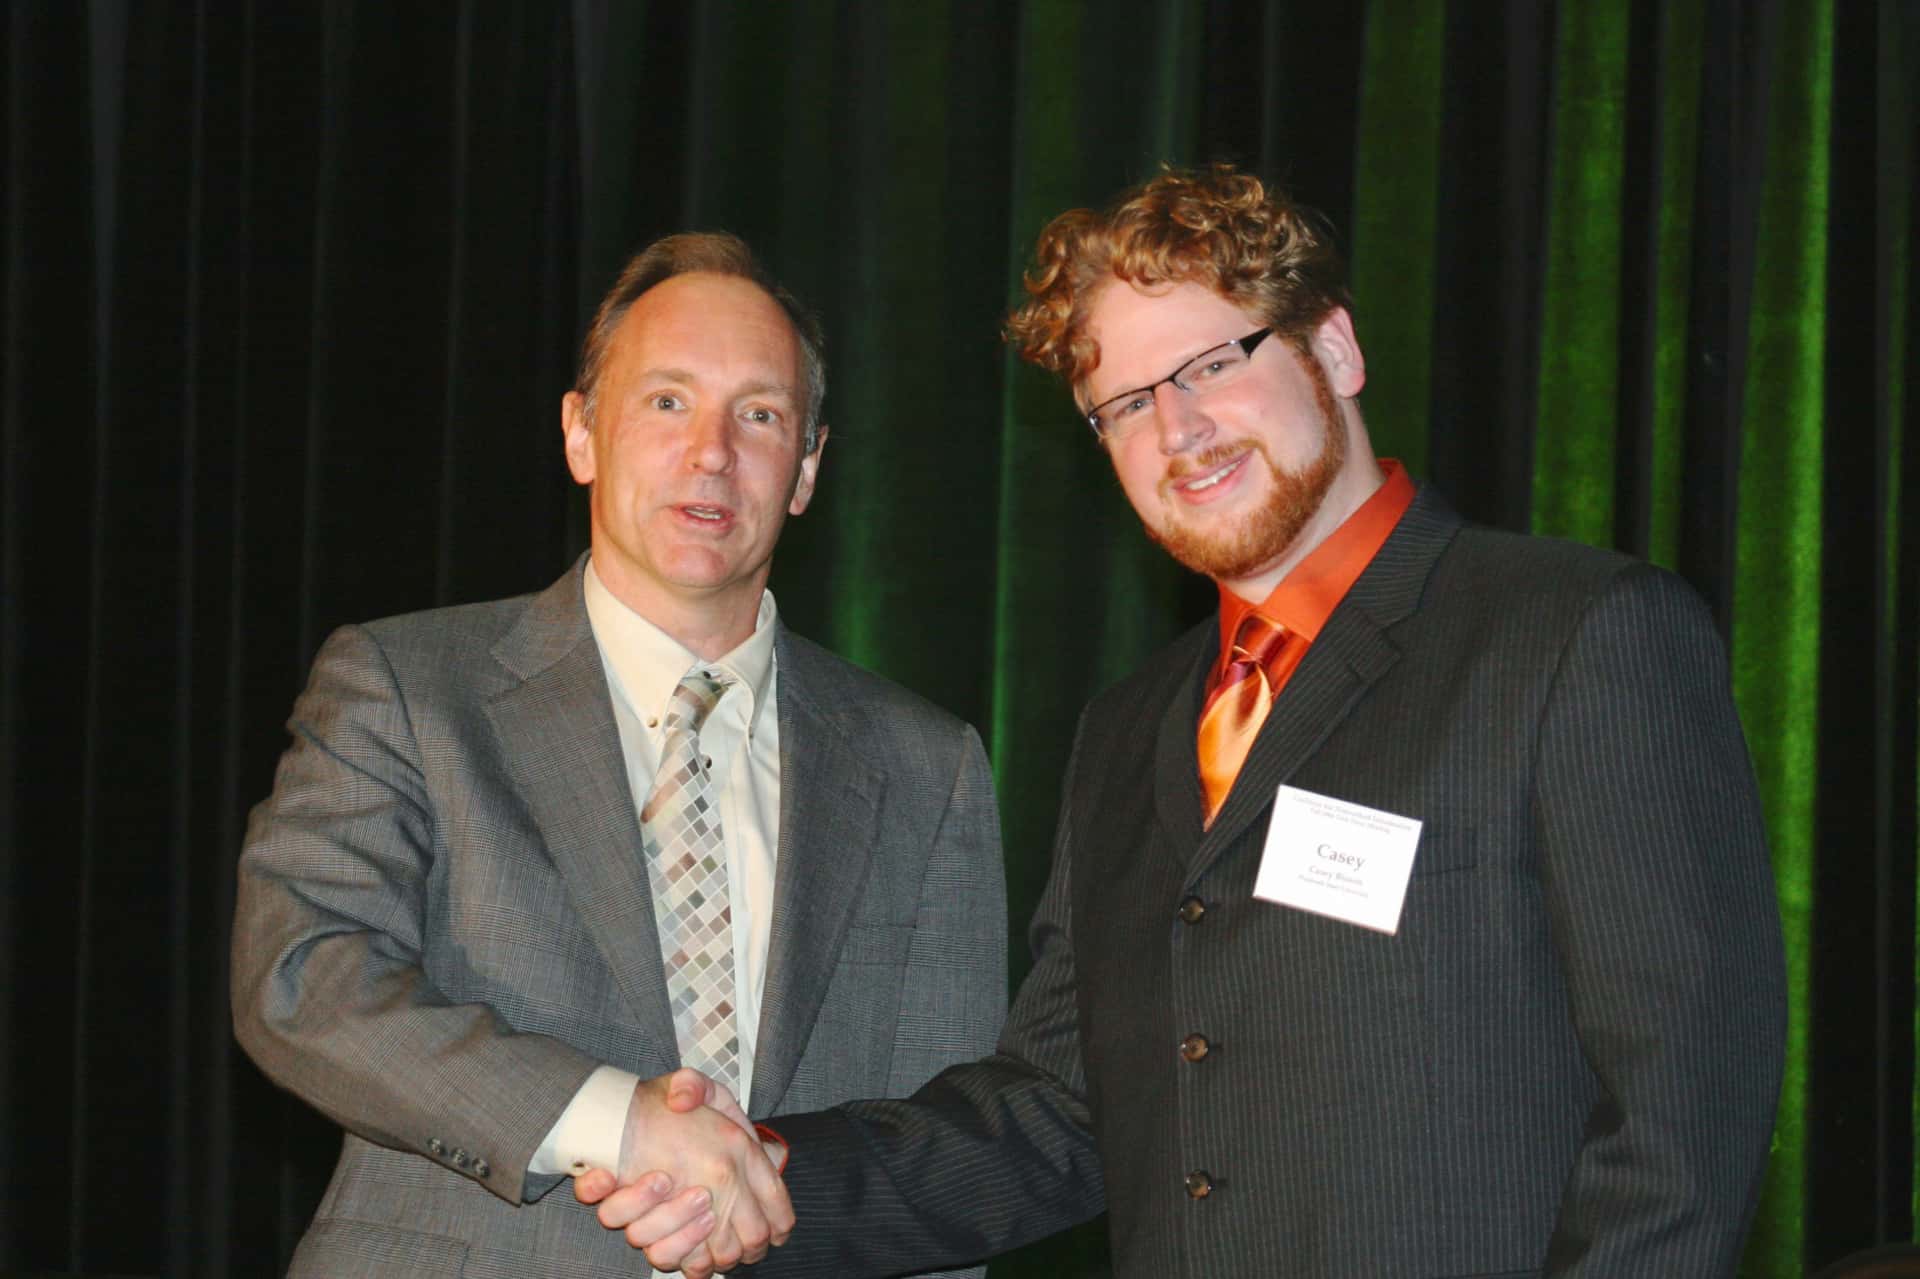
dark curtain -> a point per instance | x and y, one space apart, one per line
292 290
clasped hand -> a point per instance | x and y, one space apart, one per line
695 1190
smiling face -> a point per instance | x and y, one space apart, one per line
694 455
1239 483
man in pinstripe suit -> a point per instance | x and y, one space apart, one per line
1559 1056
452 933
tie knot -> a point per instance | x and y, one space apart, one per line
1258 639
694 699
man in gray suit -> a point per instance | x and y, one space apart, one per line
1411 918
524 855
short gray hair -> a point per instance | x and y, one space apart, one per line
716 253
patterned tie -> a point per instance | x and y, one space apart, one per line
687 866
1238 706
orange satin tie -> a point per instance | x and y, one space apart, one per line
1238 706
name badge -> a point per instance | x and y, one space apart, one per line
1345 861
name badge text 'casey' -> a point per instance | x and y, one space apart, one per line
1328 853
1345 861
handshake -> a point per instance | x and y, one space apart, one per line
696 1189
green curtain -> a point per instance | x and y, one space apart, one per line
1777 597
291 293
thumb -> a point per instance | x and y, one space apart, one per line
688 1089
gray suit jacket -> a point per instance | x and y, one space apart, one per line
1566 1060
444 922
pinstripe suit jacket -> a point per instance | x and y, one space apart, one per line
1565 1062
444 922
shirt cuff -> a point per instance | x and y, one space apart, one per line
589 1129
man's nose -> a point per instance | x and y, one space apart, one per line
1181 421
710 442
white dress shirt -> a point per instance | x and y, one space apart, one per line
741 737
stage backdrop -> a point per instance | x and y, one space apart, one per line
292 291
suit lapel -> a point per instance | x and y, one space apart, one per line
1176 763
1352 652
830 796
1343 663
558 737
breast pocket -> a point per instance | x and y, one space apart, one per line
1444 889
1446 845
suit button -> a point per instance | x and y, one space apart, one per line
481 1169
1192 910
435 1147
1194 1047
1199 1184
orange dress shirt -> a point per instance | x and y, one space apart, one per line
1307 596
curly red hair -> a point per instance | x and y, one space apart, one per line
1214 226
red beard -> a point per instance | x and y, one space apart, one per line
1242 550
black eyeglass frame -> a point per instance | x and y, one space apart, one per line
1246 345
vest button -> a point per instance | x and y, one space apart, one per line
1194 1047
1199 1184
1192 910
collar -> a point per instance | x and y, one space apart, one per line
648 663
1306 597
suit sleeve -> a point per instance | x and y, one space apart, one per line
329 996
987 1156
1660 899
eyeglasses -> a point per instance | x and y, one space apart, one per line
1210 370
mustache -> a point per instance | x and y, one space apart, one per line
1210 457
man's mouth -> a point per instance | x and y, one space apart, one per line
1208 480
701 513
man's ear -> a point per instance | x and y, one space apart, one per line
578 438
1338 351
809 473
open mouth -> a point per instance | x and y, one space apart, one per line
706 516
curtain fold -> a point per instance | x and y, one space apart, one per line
1779 504
290 293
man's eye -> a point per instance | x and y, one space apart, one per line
665 401
765 417
1211 368
1133 404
